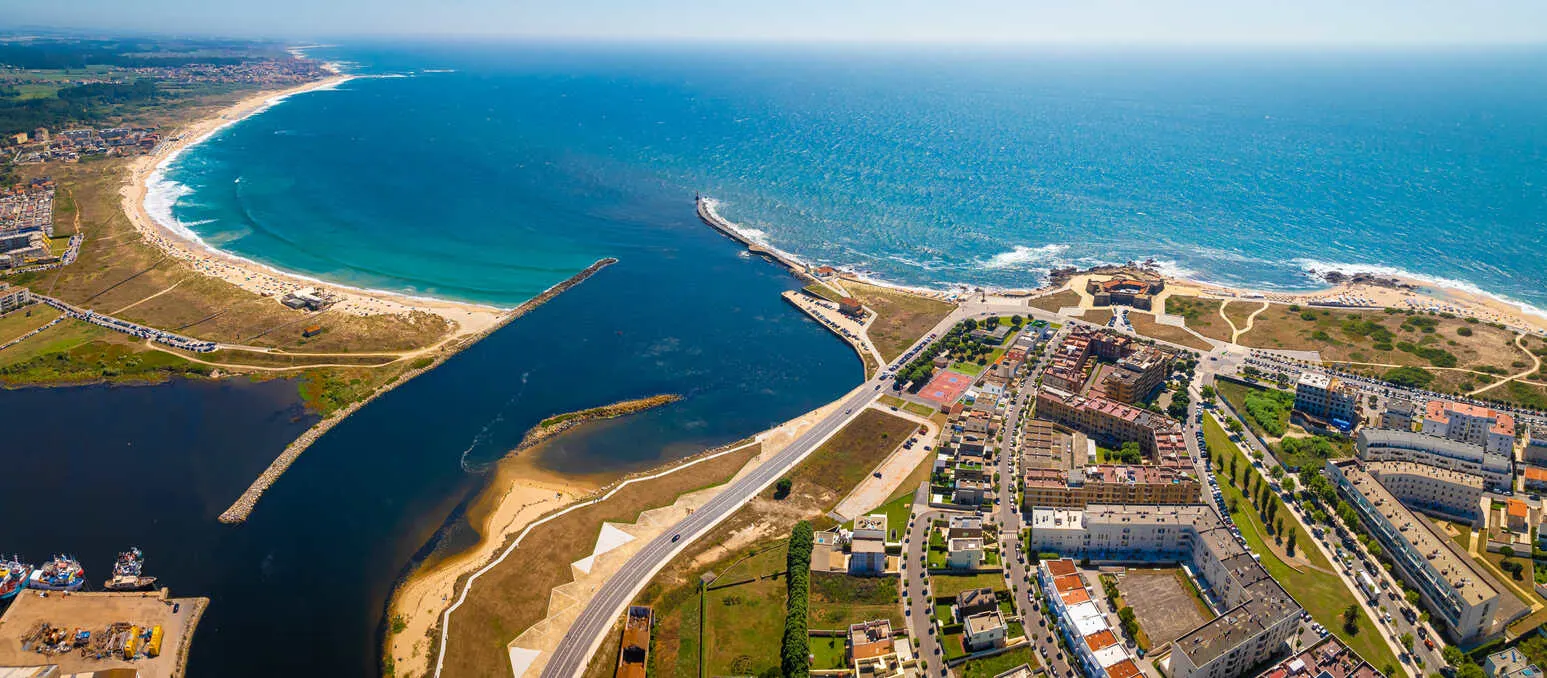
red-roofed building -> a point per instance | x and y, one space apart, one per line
1489 428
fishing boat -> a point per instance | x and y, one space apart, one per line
13 577
127 572
63 573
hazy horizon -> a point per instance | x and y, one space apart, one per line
1311 23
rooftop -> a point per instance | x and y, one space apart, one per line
983 622
1441 411
1380 468
1327 659
1419 533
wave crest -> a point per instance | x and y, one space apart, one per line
1021 256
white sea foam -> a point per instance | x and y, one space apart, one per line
1023 257
1314 269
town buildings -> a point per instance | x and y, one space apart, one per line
984 631
1451 495
1510 663
1108 484
1257 617
1137 375
26 223
1327 399
1092 642
1489 428
1460 598
1399 415
13 297
1161 438
1329 658
1381 445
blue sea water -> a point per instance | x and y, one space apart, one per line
929 167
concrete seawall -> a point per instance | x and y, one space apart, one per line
243 506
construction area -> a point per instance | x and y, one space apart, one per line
146 632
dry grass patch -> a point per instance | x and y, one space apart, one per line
1200 315
901 318
514 595
1144 324
1056 300
1378 337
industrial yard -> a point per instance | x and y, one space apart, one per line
87 632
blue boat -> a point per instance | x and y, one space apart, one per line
63 573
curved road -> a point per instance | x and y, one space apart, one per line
585 635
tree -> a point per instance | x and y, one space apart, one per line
1407 640
1016 320
1507 552
1208 393
782 488
1470 670
1351 618
1289 484
1412 597
795 656
1233 424
1290 548
1454 656
1277 472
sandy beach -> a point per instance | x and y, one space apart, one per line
519 493
467 318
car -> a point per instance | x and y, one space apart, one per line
1428 643
675 537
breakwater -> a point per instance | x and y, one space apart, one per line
559 423
708 215
243 506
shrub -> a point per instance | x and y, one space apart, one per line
794 654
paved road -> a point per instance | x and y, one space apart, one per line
596 620
915 584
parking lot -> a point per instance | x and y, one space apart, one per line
1164 606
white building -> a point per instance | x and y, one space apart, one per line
1258 615
1093 643
983 631
1326 398
1495 469
964 553
1451 495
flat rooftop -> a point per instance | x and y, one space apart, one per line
94 612
1418 532
1379 468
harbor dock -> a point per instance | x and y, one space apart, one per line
146 632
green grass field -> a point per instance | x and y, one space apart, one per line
1321 593
988 667
24 320
828 653
946 586
741 619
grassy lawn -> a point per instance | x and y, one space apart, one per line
952 644
901 318
838 600
78 352
988 667
892 401
946 586
1275 415
828 653
970 369
1321 593
897 510
24 320
920 409
1381 337
741 617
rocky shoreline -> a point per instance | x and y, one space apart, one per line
559 423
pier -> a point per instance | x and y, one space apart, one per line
708 215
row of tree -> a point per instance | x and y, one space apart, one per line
795 655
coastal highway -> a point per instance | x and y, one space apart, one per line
590 628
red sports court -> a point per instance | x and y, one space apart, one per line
946 387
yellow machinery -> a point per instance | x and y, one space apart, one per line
153 647
132 645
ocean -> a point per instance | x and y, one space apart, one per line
487 172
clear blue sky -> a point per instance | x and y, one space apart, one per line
1169 22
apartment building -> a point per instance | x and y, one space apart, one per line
1137 375
12 298
1399 415
1379 445
1093 643
1460 598
1451 495
1258 616
1326 398
1108 484
1112 423
1489 428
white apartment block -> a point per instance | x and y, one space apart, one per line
1378 445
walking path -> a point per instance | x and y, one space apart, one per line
1536 364
173 286
1236 332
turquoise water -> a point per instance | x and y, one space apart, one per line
523 164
